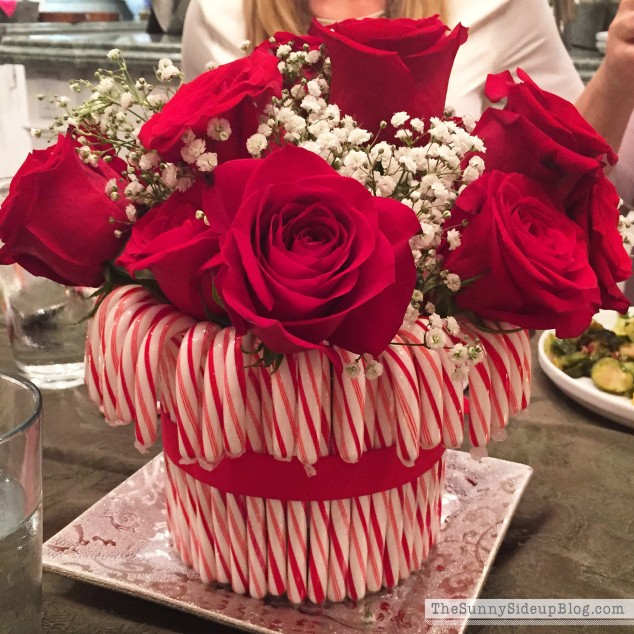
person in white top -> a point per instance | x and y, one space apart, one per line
503 34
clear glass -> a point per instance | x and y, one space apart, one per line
46 325
20 506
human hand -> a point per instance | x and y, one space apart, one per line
617 70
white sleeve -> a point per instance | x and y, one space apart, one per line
505 35
213 32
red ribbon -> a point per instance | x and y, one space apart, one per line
262 475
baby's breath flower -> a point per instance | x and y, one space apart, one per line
256 144
352 370
399 118
114 54
453 239
207 161
373 370
130 212
218 129
452 282
435 338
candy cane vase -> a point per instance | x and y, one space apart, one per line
308 481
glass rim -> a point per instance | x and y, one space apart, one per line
37 404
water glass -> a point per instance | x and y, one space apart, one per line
46 325
20 506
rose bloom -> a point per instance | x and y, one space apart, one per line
529 260
310 255
175 247
384 66
545 137
55 221
236 92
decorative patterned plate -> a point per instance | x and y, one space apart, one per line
619 409
122 543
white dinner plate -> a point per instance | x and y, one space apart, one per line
617 408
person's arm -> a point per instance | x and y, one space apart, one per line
213 32
608 99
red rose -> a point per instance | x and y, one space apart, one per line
311 255
545 137
534 271
176 248
236 92
383 66
56 220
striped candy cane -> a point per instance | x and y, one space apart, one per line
319 551
212 405
430 379
145 392
400 368
276 547
297 543
339 549
190 369
237 520
348 410
141 322
256 543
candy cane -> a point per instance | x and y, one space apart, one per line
385 427
393 540
400 368
518 347
284 397
420 516
309 436
318 551
204 527
91 367
94 355
514 364
117 322
276 547
480 404
297 562
358 559
222 548
376 540
408 505
166 388
237 520
189 374
233 400
173 514
252 396
339 549
348 410
142 320
268 413
429 372
453 403
256 542
145 392
523 336
181 519
498 362
212 405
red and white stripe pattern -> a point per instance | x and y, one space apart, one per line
140 351
190 369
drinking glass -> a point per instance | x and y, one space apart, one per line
20 506
46 325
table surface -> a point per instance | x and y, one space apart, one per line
572 536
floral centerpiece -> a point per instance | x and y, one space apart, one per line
304 256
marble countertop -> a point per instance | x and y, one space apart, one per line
83 47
